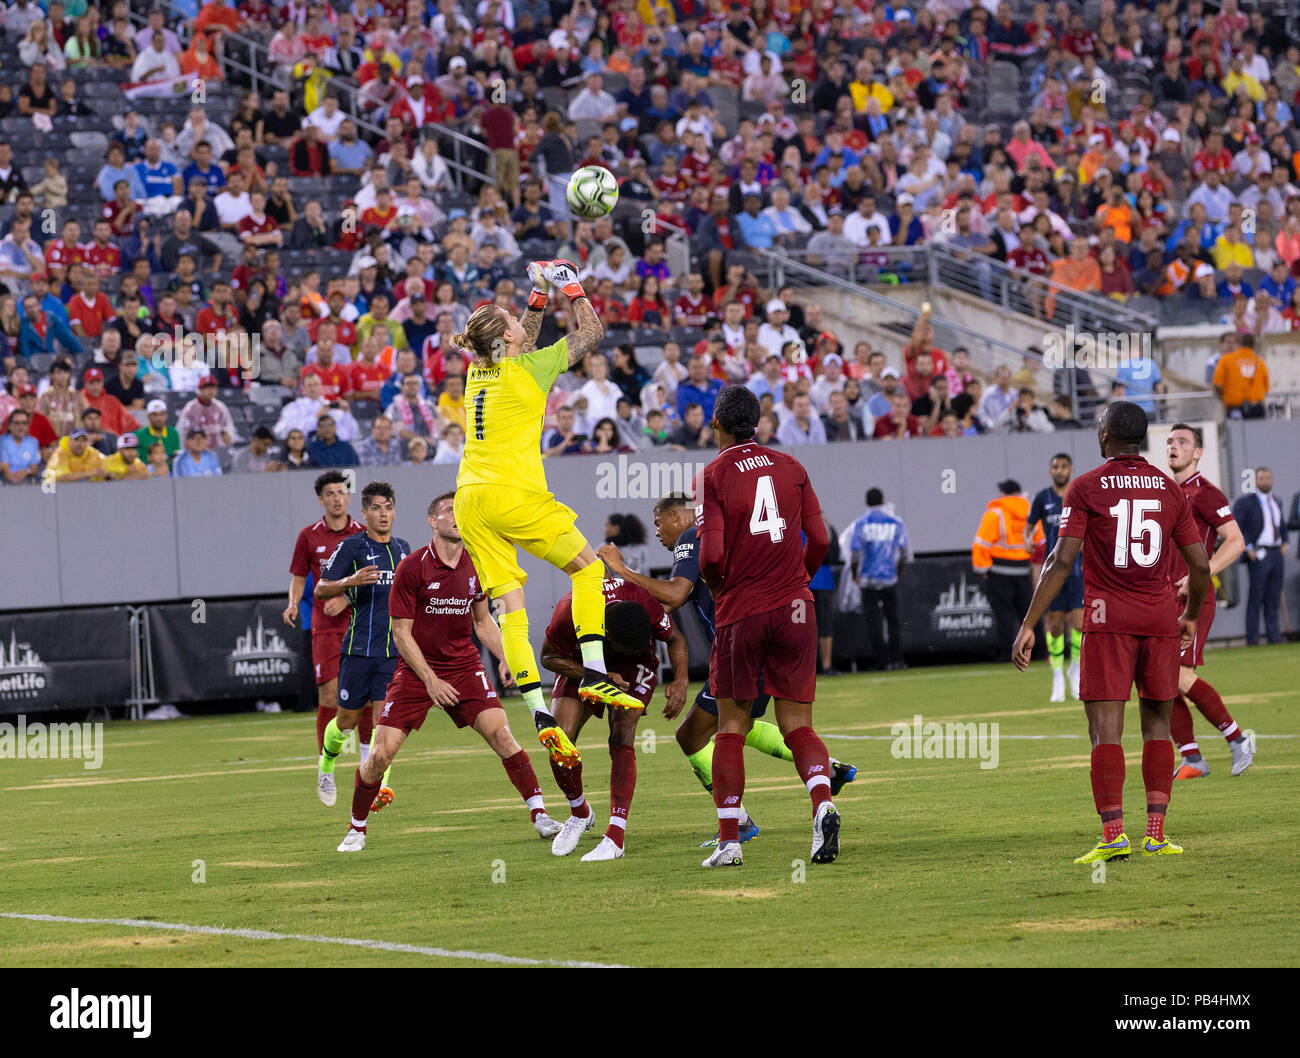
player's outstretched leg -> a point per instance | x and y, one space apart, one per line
387 795
1106 726
588 576
387 741
523 663
336 734
1208 701
814 767
695 738
1191 764
1157 775
729 785
492 725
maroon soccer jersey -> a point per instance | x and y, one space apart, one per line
758 499
1210 510
436 598
1132 520
315 545
562 636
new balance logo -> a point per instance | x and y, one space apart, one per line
434 585
321 548
733 800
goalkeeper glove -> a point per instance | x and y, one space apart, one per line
540 295
564 274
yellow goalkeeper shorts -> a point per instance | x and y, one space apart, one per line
494 521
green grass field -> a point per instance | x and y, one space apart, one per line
942 863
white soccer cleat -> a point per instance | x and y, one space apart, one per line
1243 752
826 834
725 855
354 842
606 850
545 826
1073 673
574 827
325 789
1058 687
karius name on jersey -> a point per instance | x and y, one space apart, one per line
1133 481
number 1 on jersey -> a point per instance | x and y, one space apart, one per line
766 519
479 401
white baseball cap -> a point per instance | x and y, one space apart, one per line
776 305
155 405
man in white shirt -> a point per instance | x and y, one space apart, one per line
1213 195
155 62
301 414
171 43
776 331
233 204
864 217
999 397
830 381
328 118
593 103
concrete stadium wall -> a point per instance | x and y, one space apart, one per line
92 544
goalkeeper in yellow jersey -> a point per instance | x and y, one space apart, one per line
502 502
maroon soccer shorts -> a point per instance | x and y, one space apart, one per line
1112 663
325 650
1194 655
407 702
641 683
774 645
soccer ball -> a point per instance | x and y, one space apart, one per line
592 191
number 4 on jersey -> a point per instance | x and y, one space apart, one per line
766 519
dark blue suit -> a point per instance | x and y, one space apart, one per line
1266 571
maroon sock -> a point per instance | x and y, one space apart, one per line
1158 778
1108 786
812 763
324 714
520 770
1180 726
569 780
728 783
622 784
363 796
365 726
1207 700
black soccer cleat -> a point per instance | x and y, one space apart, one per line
841 775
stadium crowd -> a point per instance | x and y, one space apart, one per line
1158 160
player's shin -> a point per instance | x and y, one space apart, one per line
812 762
622 784
729 784
333 746
521 659
589 614
366 731
766 738
1158 778
1107 776
363 796
569 780
519 769
324 714
1180 726
1208 701
701 762
1056 651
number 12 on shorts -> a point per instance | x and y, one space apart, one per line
766 520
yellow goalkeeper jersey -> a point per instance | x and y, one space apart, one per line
505 404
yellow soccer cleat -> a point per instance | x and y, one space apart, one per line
1118 849
1151 847
600 690
557 743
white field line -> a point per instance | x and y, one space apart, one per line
261 934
